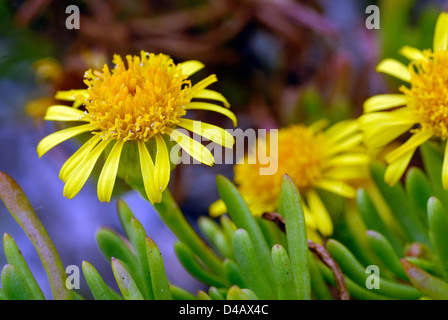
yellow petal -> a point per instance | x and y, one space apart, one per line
194 148
309 219
162 167
378 119
191 67
384 101
396 169
382 135
318 125
79 176
344 145
108 174
413 142
217 209
60 136
412 53
319 213
394 68
212 95
201 85
445 169
347 173
348 159
70 95
208 131
147 167
441 33
64 113
341 130
212 107
78 157
338 187
314 236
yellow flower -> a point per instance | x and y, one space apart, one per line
421 109
330 160
136 105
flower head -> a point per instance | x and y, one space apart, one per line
135 104
421 110
331 160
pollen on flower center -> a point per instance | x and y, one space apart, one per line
139 101
301 155
428 94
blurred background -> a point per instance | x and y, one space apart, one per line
278 62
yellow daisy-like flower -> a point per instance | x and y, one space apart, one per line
137 104
421 109
331 160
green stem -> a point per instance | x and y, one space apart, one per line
175 220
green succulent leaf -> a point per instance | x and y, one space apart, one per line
356 291
374 222
97 286
234 274
22 211
215 294
235 293
402 209
202 295
425 283
125 282
160 285
192 265
15 258
242 217
215 236
283 272
318 284
290 207
438 231
355 271
250 265
432 162
181 294
175 220
419 190
15 285
137 235
384 250
125 215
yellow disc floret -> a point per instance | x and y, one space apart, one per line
428 94
137 102
300 155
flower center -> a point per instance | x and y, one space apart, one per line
300 155
139 101
428 95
